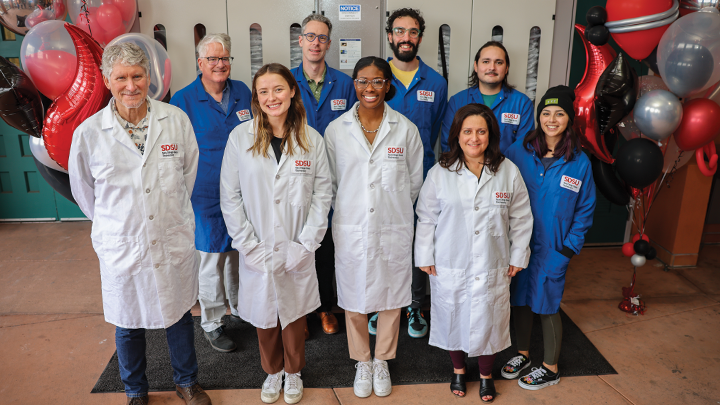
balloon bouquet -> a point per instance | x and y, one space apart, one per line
667 118
62 62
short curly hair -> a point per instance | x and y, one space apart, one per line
406 12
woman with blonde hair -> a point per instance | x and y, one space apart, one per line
275 194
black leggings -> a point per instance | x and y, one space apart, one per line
485 363
552 332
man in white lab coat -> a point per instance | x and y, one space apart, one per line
132 168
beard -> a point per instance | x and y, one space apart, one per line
136 104
404 56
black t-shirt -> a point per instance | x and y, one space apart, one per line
548 161
275 142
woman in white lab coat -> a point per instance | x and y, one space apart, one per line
473 235
375 157
275 194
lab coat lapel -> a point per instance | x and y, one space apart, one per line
390 120
355 130
154 130
486 177
110 123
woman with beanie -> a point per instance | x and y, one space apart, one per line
562 197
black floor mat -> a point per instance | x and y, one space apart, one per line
328 364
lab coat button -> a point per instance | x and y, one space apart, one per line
151 217
147 190
154 242
157 265
372 161
477 208
277 249
477 278
372 185
372 209
477 232
277 201
541 174
277 176
143 164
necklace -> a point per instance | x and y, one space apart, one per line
357 116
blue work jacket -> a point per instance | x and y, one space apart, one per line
513 110
562 200
212 128
423 103
337 96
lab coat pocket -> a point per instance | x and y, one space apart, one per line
555 267
396 243
120 254
298 258
498 221
171 175
394 176
349 248
180 243
451 285
300 189
255 259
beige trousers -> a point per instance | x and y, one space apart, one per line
388 329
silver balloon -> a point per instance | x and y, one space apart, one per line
658 114
20 15
37 147
638 260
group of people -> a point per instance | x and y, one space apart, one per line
263 196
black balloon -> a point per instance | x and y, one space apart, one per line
615 94
20 104
642 247
59 181
597 35
607 182
596 16
639 162
651 254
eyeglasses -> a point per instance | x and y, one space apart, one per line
310 36
213 60
362 84
400 31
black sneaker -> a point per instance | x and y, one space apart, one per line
219 341
514 366
539 378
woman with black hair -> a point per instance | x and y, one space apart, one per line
473 231
376 163
562 196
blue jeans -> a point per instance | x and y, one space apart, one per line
131 356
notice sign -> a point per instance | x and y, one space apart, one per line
350 52
349 12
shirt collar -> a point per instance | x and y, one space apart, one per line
322 79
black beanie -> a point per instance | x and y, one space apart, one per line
561 96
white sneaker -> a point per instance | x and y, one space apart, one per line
363 385
271 388
381 378
293 388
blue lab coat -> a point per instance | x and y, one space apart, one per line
337 96
562 218
413 102
510 106
212 128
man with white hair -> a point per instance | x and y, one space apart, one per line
132 168
215 105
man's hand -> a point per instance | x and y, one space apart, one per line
512 271
429 270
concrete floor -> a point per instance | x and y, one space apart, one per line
55 342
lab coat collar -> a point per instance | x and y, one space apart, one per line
271 151
110 123
487 175
391 120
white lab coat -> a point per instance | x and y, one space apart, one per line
372 224
276 215
143 227
472 232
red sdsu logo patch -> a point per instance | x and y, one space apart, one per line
502 198
338 105
570 183
243 115
395 153
426 95
169 150
510 118
302 167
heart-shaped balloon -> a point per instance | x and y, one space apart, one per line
638 44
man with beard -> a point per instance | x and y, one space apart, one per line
489 86
215 105
326 93
422 98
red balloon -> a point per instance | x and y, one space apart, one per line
52 71
598 59
59 8
636 238
86 96
127 9
708 169
109 17
109 35
700 124
628 249
638 44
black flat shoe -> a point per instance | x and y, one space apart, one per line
487 389
457 383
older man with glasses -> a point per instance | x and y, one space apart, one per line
215 105
326 93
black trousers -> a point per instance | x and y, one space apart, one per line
419 281
325 268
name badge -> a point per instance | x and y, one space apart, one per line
570 183
169 150
338 105
502 198
510 118
395 153
426 95
243 115
302 167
